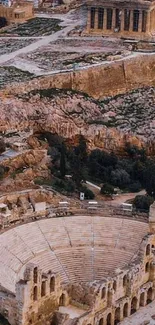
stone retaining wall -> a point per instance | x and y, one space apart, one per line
112 78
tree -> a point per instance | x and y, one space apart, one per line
143 202
149 178
62 162
81 149
107 189
135 187
2 146
78 158
120 178
89 195
136 153
3 22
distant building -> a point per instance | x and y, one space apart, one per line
127 19
17 12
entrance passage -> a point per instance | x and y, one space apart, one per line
109 319
62 300
142 299
149 296
117 316
134 305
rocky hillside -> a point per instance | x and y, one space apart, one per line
108 124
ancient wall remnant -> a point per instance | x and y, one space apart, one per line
107 79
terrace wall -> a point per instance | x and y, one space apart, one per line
100 81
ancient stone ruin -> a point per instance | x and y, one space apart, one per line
82 269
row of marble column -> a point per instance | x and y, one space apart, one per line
141 24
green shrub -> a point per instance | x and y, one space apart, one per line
143 202
107 189
135 187
69 186
89 195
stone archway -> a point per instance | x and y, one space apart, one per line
62 300
117 316
125 310
100 321
109 297
149 295
147 267
134 304
109 319
142 299
148 249
35 293
124 280
115 285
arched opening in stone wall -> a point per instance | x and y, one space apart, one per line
147 267
134 304
125 310
124 280
35 275
103 293
114 285
109 319
43 289
142 299
35 293
52 284
109 298
62 300
148 249
149 295
117 316
100 321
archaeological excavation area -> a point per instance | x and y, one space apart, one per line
86 75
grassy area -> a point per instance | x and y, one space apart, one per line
11 74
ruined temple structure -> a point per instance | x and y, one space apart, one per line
82 269
117 18
18 12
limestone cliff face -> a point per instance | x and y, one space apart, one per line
67 114
108 79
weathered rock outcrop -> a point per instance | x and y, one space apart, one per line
68 114
29 158
23 169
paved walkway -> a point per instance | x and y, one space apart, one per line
34 46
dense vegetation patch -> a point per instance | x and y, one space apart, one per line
130 173
35 27
11 74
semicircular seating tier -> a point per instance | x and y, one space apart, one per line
79 248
